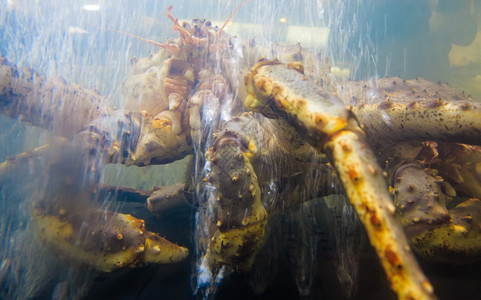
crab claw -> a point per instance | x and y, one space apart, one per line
103 240
75 228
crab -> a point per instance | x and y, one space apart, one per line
256 126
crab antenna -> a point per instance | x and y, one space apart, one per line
228 19
150 42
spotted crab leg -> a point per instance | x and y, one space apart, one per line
321 118
241 218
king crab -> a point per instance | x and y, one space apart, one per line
208 94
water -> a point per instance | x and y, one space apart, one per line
317 248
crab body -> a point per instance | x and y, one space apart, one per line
208 94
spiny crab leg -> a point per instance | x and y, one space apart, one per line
241 216
49 103
456 121
75 228
235 196
329 126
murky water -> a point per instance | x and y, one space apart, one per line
317 248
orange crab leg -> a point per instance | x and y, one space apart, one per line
322 119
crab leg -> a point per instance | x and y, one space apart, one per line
49 103
323 121
449 121
23 163
165 199
241 217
